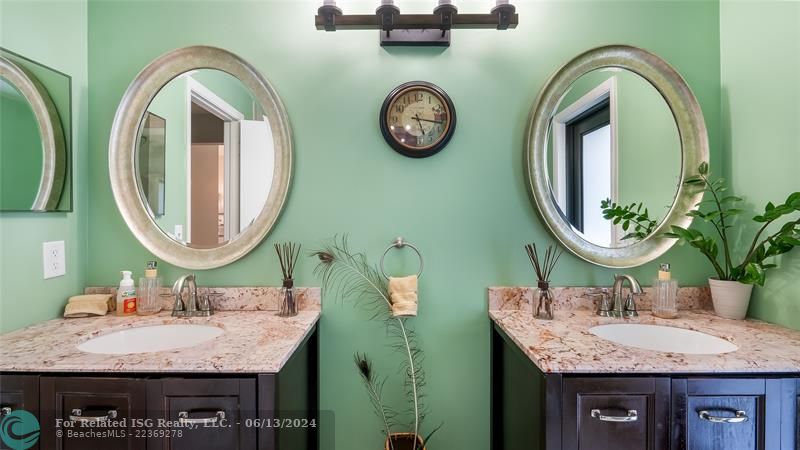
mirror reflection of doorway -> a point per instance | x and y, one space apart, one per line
230 173
213 168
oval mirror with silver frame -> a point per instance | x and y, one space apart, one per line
611 138
33 149
200 157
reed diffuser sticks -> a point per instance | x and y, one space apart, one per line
288 253
544 268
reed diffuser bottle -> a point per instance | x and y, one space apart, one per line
288 253
543 296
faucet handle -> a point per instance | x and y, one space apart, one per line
603 299
630 304
204 300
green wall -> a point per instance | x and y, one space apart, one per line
57 39
760 73
466 208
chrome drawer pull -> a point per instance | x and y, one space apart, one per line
5 410
632 416
77 416
739 417
183 418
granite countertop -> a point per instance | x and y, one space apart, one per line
254 342
565 345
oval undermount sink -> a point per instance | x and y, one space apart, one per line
663 339
149 339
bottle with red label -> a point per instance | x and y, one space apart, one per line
126 295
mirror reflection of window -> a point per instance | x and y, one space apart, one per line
588 139
609 124
219 158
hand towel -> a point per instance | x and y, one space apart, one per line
88 305
403 295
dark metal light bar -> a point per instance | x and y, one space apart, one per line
415 21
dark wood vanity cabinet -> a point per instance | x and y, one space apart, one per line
87 413
612 413
197 411
201 413
19 392
727 413
532 410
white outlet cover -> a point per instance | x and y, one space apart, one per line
54 260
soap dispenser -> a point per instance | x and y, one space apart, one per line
665 304
149 291
126 295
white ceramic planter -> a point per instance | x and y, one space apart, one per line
730 298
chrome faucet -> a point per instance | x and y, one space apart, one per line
193 306
628 308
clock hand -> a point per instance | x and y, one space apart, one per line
429 120
419 121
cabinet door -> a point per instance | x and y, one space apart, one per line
19 392
202 414
726 414
82 413
615 413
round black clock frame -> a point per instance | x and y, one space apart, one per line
407 150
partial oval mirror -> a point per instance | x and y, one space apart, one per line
200 157
611 138
32 143
614 157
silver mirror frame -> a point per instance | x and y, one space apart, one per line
54 145
694 148
122 152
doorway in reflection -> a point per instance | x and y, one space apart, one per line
207 161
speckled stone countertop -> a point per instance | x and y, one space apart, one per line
253 342
565 345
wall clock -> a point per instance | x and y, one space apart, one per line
417 119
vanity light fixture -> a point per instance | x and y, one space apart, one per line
415 29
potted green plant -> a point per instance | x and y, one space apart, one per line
732 287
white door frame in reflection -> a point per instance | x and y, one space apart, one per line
196 92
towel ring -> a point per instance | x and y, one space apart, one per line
399 242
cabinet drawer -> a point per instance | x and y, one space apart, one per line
95 413
202 414
726 414
620 414
19 392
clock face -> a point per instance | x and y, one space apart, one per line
417 119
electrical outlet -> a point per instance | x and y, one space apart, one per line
55 264
179 232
